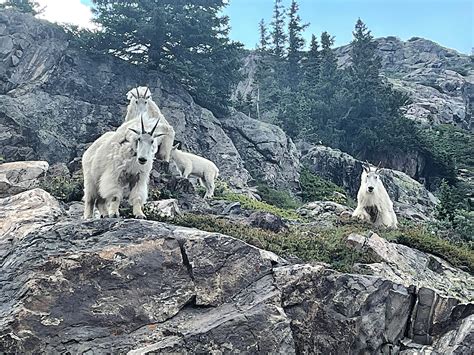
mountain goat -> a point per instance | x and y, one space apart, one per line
115 167
142 106
190 164
373 203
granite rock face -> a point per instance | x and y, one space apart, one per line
113 285
438 80
408 266
20 176
52 105
268 153
410 198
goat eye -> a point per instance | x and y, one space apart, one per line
136 101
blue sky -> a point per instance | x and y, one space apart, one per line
448 22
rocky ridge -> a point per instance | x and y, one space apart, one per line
149 287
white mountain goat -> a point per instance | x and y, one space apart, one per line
373 203
190 164
142 105
115 167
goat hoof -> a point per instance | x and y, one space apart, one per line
140 216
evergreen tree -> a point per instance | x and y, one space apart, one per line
189 40
278 33
264 37
446 210
365 70
26 6
312 64
295 44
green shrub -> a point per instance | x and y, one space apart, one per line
64 188
252 204
277 198
426 240
310 243
305 243
315 188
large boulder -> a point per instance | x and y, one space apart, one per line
20 176
268 153
411 199
113 285
408 266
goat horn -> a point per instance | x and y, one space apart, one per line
378 166
143 126
131 92
138 93
147 90
153 130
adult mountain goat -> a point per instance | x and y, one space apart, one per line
142 106
190 164
373 203
116 166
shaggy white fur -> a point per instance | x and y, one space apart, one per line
115 167
142 105
190 164
373 203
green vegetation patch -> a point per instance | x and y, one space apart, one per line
64 188
281 199
315 188
421 238
328 245
252 204
305 243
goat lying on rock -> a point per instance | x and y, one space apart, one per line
373 203
116 166
190 164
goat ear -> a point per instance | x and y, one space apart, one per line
135 131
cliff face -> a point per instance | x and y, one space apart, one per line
436 78
55 99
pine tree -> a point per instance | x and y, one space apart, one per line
278 34
295 44
312 63
188 40
264 37
365 69
26 6
446 210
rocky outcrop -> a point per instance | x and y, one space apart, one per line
20 176
55 99
135 286
269 154
410 198
437 79
408 266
